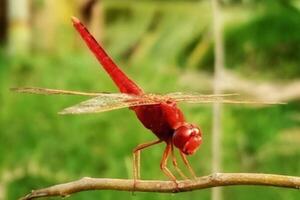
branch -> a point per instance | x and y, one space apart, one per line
214 180
232 82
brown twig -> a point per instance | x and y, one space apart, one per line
214 180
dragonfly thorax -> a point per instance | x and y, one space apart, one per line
187 138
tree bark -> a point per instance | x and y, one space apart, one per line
3 22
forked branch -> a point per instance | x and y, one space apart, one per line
214 180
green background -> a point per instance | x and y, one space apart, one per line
154 42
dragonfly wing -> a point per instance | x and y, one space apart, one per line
214 98
194 96
108 102
225 100
233 101
47 91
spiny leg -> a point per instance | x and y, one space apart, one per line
163 164
175 163
136 158
186 162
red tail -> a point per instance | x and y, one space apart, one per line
124 84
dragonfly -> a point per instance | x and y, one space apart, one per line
158 113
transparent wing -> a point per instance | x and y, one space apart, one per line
101 103
212 98
108 102
111 101
46 91
233 101
194 96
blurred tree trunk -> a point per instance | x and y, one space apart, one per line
3 21
47 25
35 18
97 21
91 12
86 7
217 109
19 26
50 20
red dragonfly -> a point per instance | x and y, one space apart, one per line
159 113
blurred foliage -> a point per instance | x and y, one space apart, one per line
20 186
268 41
154 43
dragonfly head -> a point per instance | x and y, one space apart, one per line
187 138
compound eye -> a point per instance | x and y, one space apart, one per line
192 145
187 138
181 136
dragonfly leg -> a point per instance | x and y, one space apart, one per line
136 158
163 164
175 163
186 162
